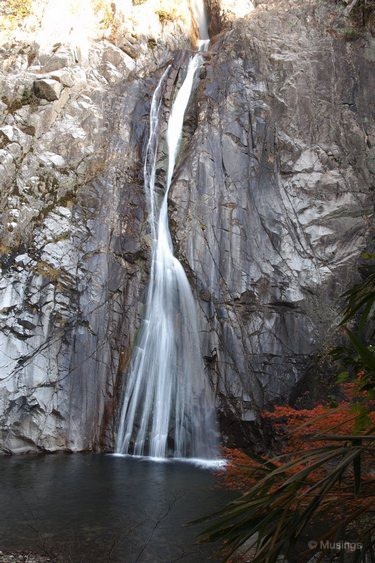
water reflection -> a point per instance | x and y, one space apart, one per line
105 508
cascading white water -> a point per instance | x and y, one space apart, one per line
168 405
200 18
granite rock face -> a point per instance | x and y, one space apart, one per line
63 275
47 89
272 204
270 210
73 252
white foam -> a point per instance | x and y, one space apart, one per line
198 462
203 463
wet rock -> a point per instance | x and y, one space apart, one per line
73 244
23 557
269 212
271 208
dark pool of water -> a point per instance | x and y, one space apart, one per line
96 508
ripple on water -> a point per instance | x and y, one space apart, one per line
85 506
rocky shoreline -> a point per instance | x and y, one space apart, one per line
24 556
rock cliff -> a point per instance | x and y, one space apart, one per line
270 208
73 248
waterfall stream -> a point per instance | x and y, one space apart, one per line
168 405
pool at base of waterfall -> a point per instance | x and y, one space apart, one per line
95 508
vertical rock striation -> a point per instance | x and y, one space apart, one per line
270 208
74 245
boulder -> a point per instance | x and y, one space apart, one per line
47 89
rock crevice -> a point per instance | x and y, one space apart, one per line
270 210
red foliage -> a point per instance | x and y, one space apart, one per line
298 430
241 472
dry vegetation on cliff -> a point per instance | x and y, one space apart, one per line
98 18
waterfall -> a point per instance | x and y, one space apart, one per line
168 405
200 18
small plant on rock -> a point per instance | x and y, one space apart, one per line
12 12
